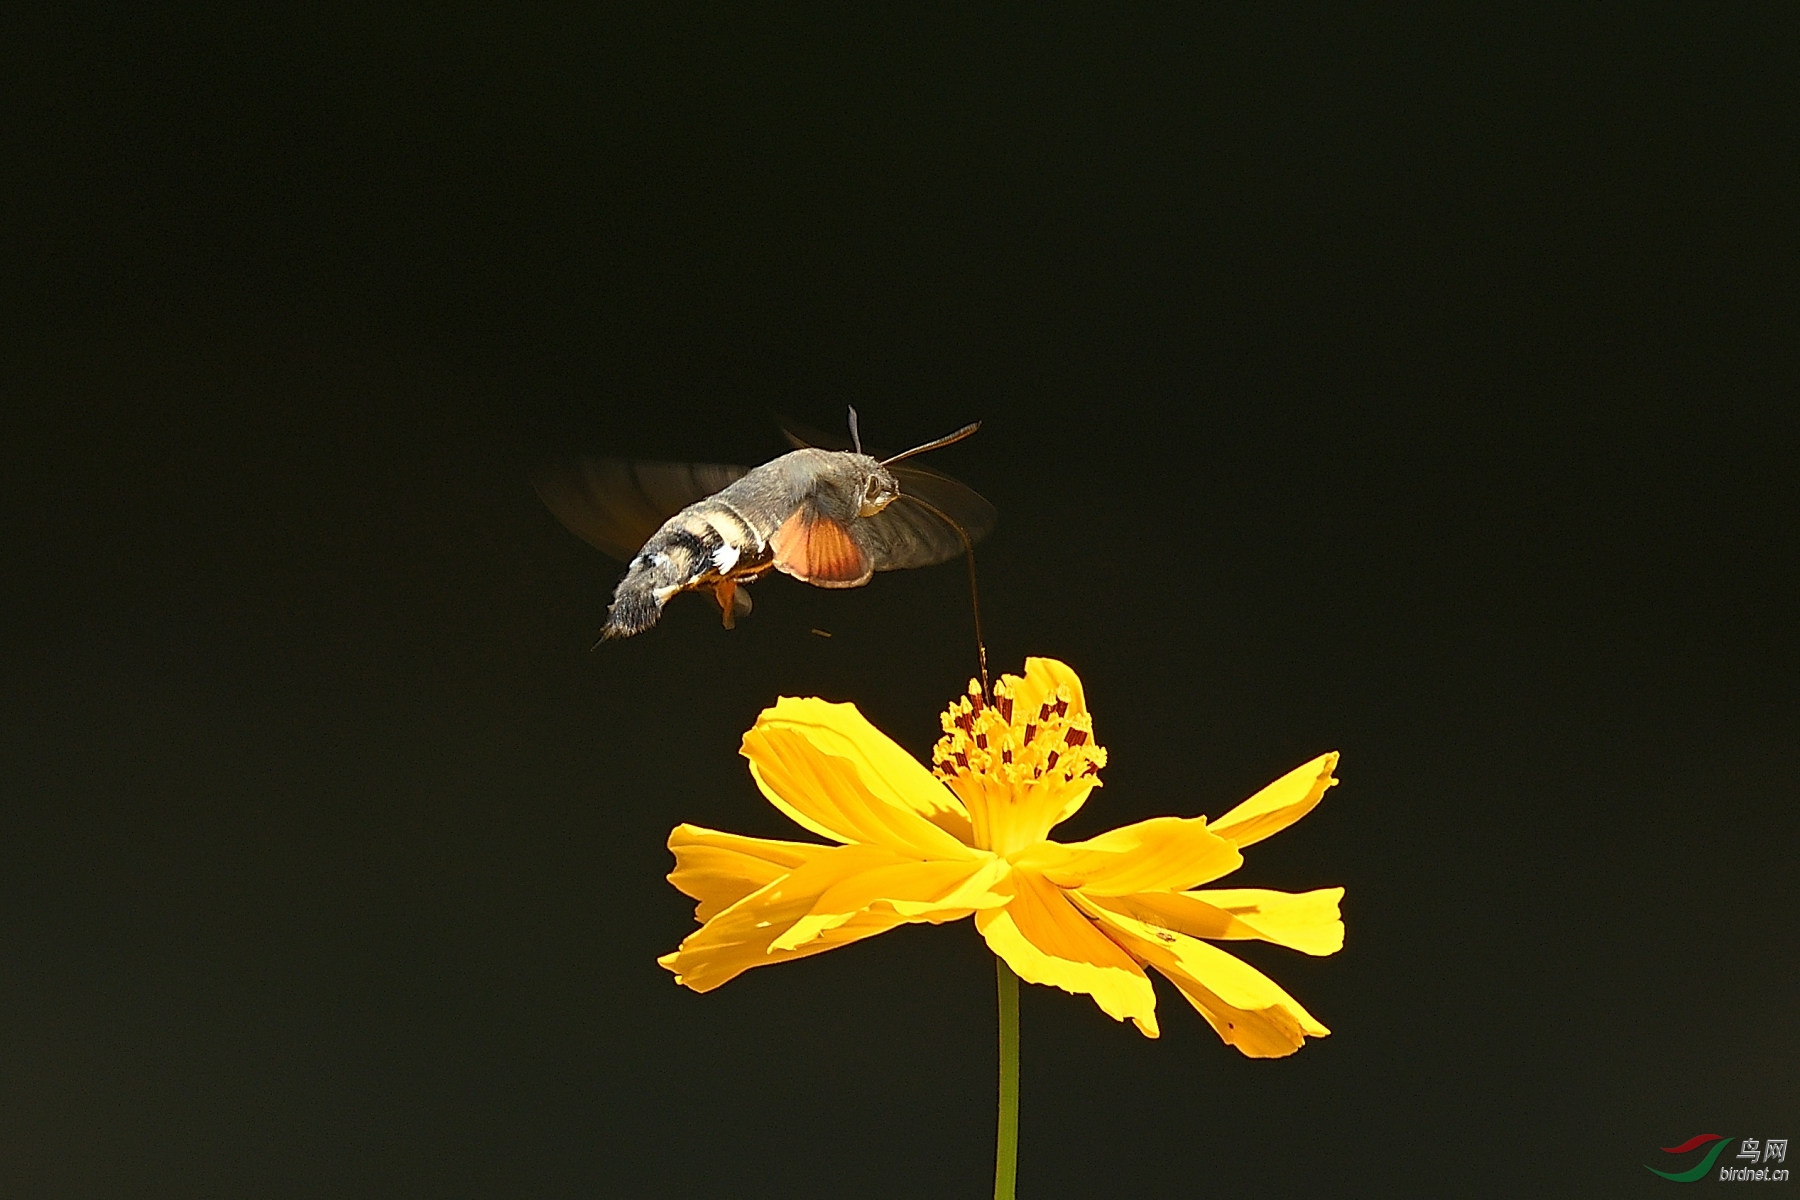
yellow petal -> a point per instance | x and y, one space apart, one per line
1046 940
740 937
719 869
1280 804
1042 677
830 770
915 891
1161 854
1245 1007
704 971
1307 922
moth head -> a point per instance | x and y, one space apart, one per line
880 489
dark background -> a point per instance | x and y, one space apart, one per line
1420 385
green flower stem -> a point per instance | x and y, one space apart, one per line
1006 1148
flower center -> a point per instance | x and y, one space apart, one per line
1006 744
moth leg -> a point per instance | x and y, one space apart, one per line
734 602
725 591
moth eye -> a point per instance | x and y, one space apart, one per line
875 497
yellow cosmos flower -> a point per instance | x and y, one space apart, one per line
969 837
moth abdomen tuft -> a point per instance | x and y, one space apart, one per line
633 610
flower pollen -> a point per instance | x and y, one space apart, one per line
1048 743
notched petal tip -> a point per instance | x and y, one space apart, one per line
1305 921
667 963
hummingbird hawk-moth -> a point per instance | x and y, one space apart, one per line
828 517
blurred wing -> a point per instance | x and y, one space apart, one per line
906 534
805 437
615 505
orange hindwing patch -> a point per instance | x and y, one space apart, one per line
820 551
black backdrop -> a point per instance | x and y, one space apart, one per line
1419 385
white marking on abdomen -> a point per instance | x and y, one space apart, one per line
745 532
725 557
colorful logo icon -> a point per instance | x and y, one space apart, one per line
1751 1151
1703 1166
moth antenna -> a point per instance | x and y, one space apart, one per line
958 436
969 554
855 437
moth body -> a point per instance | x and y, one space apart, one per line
825 517
796 514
